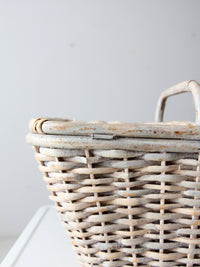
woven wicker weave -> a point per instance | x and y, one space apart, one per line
127 194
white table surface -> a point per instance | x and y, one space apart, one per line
42 243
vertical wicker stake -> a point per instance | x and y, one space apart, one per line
127 194
162 210
195 220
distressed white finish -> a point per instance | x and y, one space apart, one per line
187 86
138 144
127 194
179 130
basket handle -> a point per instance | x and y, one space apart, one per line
187 86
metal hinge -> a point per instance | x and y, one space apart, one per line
103 136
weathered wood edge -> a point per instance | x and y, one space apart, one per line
175 130
137 144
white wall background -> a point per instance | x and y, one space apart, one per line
85 59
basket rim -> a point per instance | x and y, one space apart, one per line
161 130
120 143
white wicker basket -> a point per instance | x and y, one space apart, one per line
127 194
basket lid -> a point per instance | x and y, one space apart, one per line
110 130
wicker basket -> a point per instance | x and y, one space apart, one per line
127 194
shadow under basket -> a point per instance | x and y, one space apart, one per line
128 194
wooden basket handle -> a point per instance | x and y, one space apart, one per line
187 86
